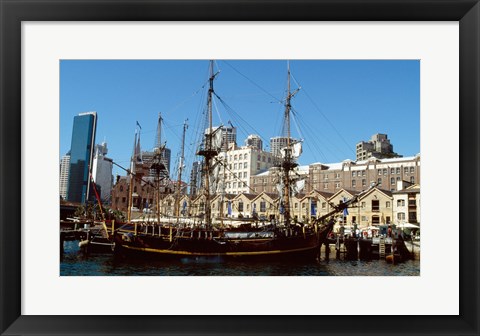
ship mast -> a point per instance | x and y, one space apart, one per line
208 152
131 172
180 168
288 163
157 164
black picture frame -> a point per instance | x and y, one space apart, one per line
13 12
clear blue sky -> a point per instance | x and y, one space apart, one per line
339 104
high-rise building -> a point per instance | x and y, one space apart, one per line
81 156
64 173
226 136
102 172
378 147
195 178
254 141
277 143
165 159
239 165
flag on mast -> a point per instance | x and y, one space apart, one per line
345 211
229 208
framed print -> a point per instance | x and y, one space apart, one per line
53 51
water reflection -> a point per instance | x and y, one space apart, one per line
75 263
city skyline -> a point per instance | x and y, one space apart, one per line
339 104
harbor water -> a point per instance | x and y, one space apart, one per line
75 263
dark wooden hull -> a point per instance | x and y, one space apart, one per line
248 245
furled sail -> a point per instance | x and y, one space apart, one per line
298 187
297 150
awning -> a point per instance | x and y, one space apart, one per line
408 226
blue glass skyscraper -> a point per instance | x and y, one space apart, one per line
81 156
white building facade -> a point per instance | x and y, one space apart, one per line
240 163
102 172
64 173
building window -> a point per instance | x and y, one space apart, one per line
296 205
325 186
392 170
405 170
398 178
363 204
235 166
375 205
324 205
387 205
412 170
240 206
263 158
245 156
401 216
325 177
354 174
245 166
354 183
258 157
379 181
337 185
244 174
258 166
412 179
337 175
235 157
385 171
263 206
364 183
392 181
412 203
363 172
379 172
121 188
400 202
398 171
124 199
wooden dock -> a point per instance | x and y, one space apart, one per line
383 248
91 237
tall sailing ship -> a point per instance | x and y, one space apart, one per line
250 238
